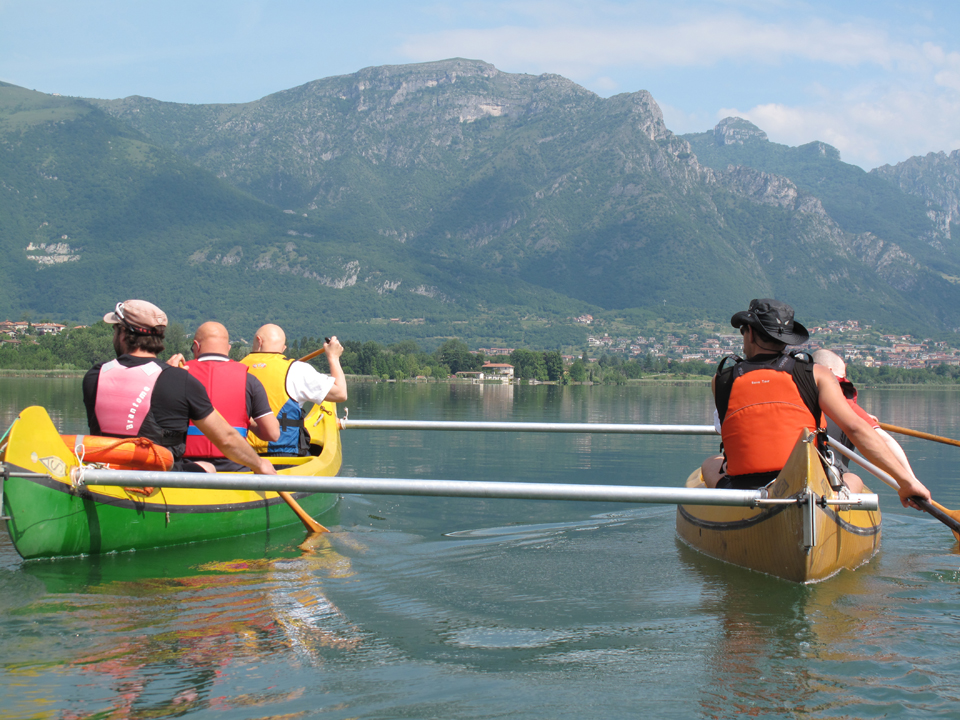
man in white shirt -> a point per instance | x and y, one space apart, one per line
289 385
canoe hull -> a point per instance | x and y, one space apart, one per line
773 540
49 517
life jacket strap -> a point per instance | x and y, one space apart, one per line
194 430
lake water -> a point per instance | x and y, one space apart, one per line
467 608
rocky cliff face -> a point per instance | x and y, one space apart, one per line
935 178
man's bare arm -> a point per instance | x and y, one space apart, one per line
233 444
333 350
864 437
266 427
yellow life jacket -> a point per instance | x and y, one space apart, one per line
271 370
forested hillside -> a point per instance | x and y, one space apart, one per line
444 200
92 212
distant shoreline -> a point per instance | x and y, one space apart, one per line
649 381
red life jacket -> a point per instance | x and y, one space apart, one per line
123 399
763 405
850 393
226 384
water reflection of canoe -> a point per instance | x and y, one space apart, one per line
782 540
47 516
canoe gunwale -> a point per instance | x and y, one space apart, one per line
767 514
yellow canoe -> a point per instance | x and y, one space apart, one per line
48 515
783 540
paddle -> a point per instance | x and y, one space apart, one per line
919 434
950 518
314 354
312 525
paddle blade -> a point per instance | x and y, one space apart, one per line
950 518
308 522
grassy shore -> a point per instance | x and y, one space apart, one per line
42 373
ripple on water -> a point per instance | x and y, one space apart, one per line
507 637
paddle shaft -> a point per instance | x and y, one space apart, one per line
919 434
947 517
315 353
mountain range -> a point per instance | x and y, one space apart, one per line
451 199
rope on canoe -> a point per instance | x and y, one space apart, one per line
138 442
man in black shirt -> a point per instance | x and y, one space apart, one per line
135 395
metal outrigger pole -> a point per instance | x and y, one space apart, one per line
447 488
461 488
605 428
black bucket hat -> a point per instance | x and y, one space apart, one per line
773 319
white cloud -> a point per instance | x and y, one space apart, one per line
606 84
872 130
877 90
585 49
949 75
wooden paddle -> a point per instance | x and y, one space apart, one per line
950 518
311 524
919 434
314 354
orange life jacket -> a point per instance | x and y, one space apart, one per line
763 404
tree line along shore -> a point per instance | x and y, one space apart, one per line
73 351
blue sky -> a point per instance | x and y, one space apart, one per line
878 80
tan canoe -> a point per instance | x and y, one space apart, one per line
783 540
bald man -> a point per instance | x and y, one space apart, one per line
838 367
234 392
289 385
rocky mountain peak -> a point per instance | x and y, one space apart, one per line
819 149
735 130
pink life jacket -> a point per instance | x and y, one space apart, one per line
123 397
